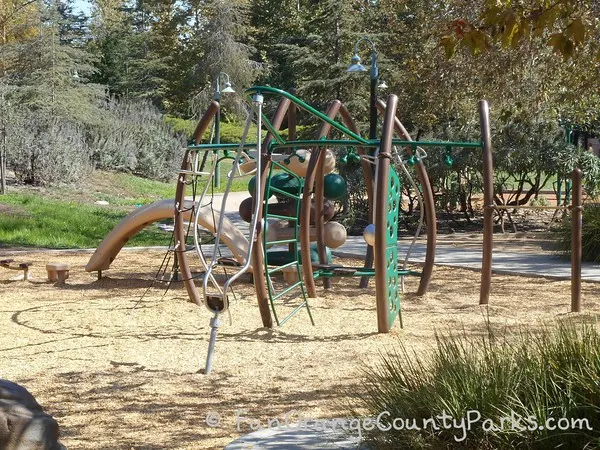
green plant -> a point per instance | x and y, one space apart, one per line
590 234
539 201
517 384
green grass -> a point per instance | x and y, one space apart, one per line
67 216
35 221
542 377
119 189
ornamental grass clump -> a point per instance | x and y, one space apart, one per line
590 234
534 390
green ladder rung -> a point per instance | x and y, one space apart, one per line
283 193
276 269
409 272
283 241
276 216
360 272
288 289
293 313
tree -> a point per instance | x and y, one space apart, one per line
567 26
224 46
17 19
47 86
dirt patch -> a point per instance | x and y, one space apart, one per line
11 210
116 361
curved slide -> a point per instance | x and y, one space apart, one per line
133 223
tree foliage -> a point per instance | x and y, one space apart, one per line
100 75
567 26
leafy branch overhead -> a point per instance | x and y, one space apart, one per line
566 26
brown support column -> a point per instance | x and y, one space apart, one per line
258 257
381 201
211 112
369 182
319 191
576 251
315 166
370 185
429 202
180 234
488 203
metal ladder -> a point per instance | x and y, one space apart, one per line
293 247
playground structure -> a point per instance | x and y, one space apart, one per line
296 171
305 172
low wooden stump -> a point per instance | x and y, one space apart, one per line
12 265
57 272
290 274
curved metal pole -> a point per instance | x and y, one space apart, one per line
211 112
369 183
309 183
179 232
488 203
319 191
429 208
309 109
381 199
258 262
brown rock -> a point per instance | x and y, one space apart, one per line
23 423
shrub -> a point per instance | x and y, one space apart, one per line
135 138
537 377
590 234
43 150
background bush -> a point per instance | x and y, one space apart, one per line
43 150
133 137
590 233
126 136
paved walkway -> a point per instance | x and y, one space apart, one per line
540 264
530 264
296 438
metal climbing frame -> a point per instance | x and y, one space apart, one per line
292 262
215 295
383 195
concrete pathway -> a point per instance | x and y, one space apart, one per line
295 438
539 264
529 264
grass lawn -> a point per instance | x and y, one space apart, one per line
67 216
30 220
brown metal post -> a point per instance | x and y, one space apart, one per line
369 183
211 112
314 186
319 190
430 214
576 250
366 166
488 203
381 203
179 207
258 257
291 121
